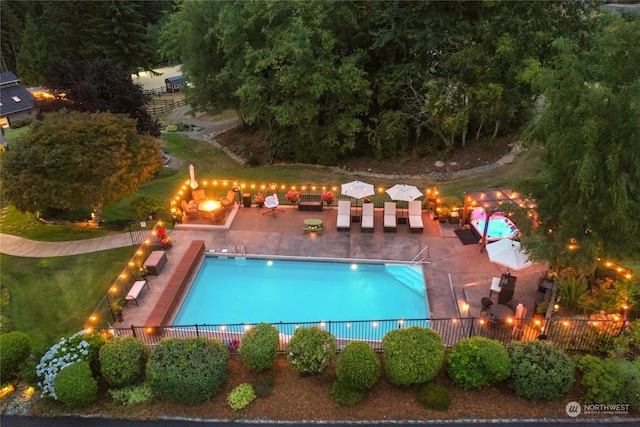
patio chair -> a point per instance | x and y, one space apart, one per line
390 220
190 211
415 217
343 222
495 287
199 196
229 200
367 218
272 203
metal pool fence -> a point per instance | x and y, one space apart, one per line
582 335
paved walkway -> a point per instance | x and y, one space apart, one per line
18 246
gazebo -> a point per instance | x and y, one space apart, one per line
489 200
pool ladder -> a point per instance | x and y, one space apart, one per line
241 251
424 260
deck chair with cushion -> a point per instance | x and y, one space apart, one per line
189 210
367 218
199 196
390 221
415 217
343 223
229 200
272 203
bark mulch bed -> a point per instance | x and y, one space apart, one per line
296 397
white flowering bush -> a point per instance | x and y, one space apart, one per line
64 353
311 350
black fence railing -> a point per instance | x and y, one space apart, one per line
578 335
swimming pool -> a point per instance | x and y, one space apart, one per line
500 227
243 290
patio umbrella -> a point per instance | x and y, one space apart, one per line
357 190
507 253
404 192
192 178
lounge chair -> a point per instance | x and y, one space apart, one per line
272 203
343 223
199 196
367 218
390 221
415 217
229 200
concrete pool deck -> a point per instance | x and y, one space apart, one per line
453 268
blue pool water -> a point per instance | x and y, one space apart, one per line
249 291
499 227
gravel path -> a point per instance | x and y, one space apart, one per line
208 131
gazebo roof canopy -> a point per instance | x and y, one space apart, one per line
491 198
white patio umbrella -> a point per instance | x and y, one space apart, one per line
507 253
404 192
357 190
192 178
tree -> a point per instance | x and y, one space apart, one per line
74 160
588 192
99 86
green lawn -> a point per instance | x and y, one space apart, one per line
53 297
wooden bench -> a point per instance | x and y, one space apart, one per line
310 202
134 293
155 263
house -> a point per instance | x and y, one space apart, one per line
16 102
175 83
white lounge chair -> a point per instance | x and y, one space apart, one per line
415 217
343 222
367 218
390 220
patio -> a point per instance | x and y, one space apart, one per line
454 271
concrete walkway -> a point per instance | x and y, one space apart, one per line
18 246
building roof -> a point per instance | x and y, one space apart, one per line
176 80
8 78
15 98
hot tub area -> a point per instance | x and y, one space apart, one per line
500 227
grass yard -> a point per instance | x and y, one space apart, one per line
52 297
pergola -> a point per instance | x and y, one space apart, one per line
489 200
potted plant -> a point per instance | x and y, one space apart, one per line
142 272
259 199
293 196
328 197
117 308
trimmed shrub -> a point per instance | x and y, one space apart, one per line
259 347
241 396
132 395
15 348
79 347
187 370
123 361
434 396
539 370
412 355
311 350
610 381
358 366
344 395
478 361
75 386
